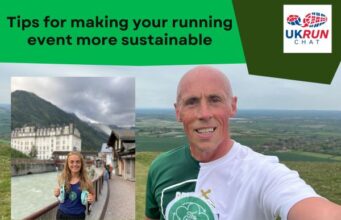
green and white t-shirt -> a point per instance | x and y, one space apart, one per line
241 185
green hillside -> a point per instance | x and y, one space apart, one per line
29 109
5 180
18 154
5 123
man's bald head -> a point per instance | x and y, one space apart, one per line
204 106
203 74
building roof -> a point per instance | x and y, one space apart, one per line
51 130
125 135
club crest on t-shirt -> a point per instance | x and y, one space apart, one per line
73 196
190 206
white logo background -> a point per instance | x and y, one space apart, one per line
309 45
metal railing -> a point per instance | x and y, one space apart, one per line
49 212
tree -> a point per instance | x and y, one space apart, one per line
34 152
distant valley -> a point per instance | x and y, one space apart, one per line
266 131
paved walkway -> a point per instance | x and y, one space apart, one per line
97 207
121 205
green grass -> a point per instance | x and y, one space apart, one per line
160 144
5 181
324 177
305 156
320 155
142 163
4 142
18 154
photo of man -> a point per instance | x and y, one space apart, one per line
215 177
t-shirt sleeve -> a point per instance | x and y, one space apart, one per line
282 188
152 210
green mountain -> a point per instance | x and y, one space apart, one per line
29 109
5 122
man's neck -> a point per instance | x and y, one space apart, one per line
208 156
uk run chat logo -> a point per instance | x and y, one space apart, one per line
307 29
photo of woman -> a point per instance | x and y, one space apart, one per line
74 188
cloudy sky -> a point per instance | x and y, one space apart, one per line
156 86
106 100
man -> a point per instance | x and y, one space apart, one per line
217 178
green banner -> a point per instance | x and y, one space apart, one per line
174 33
119 32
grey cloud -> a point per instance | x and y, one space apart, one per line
156 87
108 100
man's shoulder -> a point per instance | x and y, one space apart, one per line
170 156
248 154
248 159
174 161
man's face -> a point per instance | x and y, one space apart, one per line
204 108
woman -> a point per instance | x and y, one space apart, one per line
75 188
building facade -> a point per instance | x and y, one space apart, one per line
106 154
46 140
123 146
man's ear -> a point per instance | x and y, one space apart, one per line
233 106
177 113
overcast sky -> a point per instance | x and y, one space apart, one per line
106 100
156 85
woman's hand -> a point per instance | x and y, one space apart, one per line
91 198
56 191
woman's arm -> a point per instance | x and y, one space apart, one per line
92 193
56 191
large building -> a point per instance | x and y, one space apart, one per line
46 140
